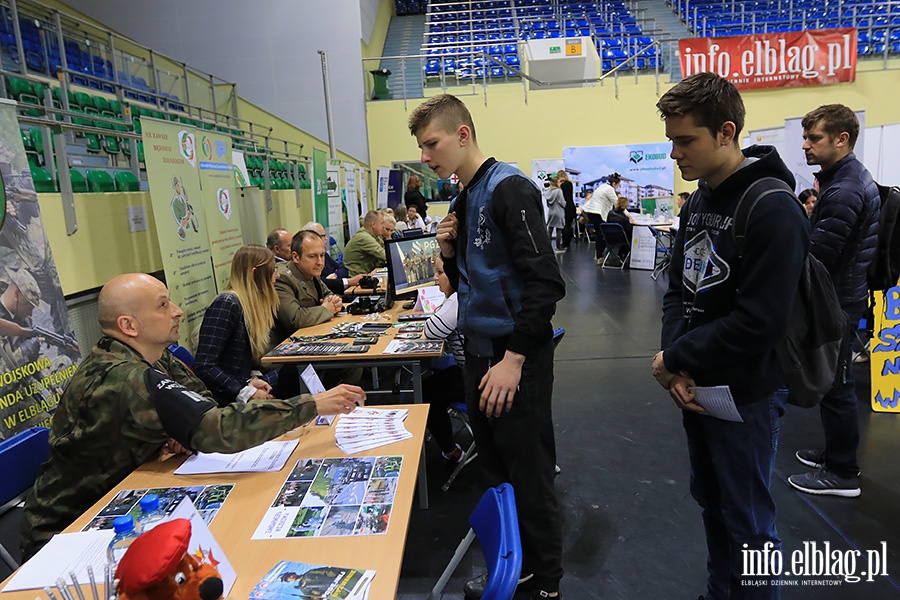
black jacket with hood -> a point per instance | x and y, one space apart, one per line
724 315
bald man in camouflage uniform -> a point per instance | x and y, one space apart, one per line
131 397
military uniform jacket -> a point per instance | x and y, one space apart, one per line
363 253
106 425
299 301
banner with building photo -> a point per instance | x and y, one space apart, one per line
170 154
645 169
351 197
38 351
543 168
220 206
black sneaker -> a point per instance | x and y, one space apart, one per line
542 595
825 483
474 588
811 458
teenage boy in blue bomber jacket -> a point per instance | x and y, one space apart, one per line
723 315
497 255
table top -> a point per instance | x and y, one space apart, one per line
254 493
376 351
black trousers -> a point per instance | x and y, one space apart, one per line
839 409
440 389
596 220
520 448
567 231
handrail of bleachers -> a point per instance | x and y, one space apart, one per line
248 137
629 62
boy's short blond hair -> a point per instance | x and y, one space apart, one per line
446 111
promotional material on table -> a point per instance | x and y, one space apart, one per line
207 499
333 497
293 580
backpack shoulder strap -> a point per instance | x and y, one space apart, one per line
755 192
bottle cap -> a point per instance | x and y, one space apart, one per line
123 524
149 503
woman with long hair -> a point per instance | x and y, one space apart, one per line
568 192
414 197
236 330
601 202
556 209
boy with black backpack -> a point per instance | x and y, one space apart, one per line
844 230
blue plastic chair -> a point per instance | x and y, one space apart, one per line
21 457
495 523
183 354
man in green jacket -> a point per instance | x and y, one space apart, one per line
365 251
131 398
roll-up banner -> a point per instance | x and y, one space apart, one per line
38 351
170 154
219 203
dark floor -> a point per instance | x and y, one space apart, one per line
631 528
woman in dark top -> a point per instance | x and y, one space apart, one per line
414 197
621 216
236 328
568 193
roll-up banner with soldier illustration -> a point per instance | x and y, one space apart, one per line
38 351
170 153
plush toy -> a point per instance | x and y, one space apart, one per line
157 566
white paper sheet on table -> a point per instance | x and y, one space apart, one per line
314 385
718 402
63 553
270 456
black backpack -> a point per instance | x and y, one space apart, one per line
884 270
810 354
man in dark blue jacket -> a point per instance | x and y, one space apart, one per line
723 315
497 254
844 233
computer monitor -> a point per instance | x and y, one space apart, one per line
410 265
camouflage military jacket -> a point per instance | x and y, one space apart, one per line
106 426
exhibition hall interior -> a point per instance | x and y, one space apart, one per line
173 138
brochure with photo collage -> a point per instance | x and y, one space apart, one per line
333 497
207 499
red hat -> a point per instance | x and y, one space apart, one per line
153 556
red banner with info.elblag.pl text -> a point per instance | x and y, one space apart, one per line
792 58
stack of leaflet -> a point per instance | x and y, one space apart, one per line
367 428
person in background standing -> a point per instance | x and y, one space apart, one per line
569 194
556 205
414 196
808 197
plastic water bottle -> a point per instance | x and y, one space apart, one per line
125 534
151 515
